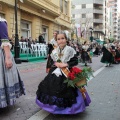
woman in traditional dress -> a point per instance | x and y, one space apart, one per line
11 86
51 46
117 51
96 52
85 55
107 57
53 95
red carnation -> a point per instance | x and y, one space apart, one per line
71 75
76 70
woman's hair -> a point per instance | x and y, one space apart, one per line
62 32
85 42
56 31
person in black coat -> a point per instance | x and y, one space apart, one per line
41 39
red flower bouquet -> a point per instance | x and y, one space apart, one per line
78 77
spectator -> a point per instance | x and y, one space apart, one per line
40 38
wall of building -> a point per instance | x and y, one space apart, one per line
36 17
113 5
93 16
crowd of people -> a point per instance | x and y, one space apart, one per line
53 95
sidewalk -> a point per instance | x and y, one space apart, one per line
105 96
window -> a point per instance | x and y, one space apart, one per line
83 5
83 15
61 5
45 36
25 29
66 7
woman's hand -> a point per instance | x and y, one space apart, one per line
57 64
62 65
8 62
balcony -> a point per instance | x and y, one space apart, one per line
65 17
115 31
50 8
98 2
115 34
98 28
115 8
115 21
118 27
115 4
115 24
41 8
115 12
111 0
98 20
100 11
115 27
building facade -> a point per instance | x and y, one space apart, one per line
91 14
113 18
37 16
119 27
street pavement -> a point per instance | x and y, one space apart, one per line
103 90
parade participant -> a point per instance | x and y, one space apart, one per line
53 95
84 54
96 52
107 57
51 45
11 86
113 51
117 51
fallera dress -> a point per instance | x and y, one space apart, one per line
53 95
11 85
107 55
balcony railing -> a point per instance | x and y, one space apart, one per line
98 28
115 34
115 21
46 5
98 11
98 20
98 2
65 17
115 24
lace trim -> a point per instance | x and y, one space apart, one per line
5 42
68 53
2 20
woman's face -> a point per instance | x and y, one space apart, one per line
61 40
54 34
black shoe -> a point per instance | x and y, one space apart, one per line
106 66
109 64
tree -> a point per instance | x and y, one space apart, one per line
86 24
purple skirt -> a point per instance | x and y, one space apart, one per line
76 108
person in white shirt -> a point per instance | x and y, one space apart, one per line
84 55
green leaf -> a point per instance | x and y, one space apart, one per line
66 81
